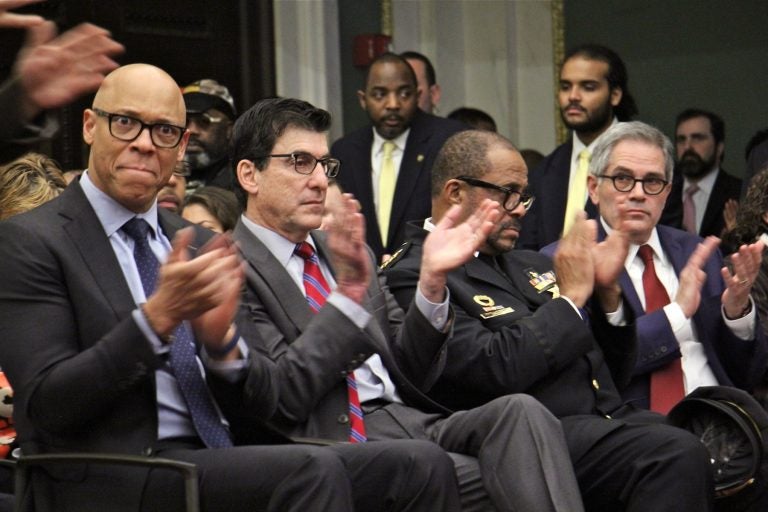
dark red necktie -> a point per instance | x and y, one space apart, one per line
667 387
317 290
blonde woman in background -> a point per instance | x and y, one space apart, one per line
28 182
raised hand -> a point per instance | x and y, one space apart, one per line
349 254
609 257
738 284
574 261
56 70
451 244
692 276
204 290
13 20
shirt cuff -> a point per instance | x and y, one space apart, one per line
158 346
617 318
356 313
682 327
231 371
744 327
435 313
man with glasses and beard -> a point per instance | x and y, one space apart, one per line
210 114
702 191
593 95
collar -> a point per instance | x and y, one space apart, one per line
280 247
400 140
654 241
706 184
579 146
112 214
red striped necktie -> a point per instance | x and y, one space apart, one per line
317 290
667 387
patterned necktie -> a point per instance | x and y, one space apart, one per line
667 387
689 209
317 290
386 189
183 362
577 191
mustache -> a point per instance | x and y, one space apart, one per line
690 154
575 105
513 223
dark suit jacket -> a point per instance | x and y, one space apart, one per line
510 337
726 187
314 352
82 371
734 362
548 182
412 192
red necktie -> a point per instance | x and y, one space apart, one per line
667 387
317 290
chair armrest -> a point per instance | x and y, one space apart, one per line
186 469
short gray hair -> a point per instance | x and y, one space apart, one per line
633 130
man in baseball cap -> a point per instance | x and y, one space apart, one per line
210 114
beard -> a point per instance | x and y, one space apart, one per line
595 120
693 166
498 244
197 160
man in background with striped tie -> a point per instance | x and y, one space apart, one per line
314 304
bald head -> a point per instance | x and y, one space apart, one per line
146 98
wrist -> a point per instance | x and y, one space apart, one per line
160 324
736 312
233 339
432 286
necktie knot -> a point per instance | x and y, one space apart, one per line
136 228
305 251
584 157
692 189
388 148
646 254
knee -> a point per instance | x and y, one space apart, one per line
323 462
520 405
424 460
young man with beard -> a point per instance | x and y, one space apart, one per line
593 95
701 190
387 164
210 114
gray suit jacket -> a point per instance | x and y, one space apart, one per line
314 352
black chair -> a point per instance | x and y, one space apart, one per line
27 465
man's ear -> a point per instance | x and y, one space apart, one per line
361 99
592 189
248 176
89 125
453 192
616 95
436 93
719 150
182 147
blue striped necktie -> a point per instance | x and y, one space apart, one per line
183 360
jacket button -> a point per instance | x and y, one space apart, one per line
595 384
343 419
147 451
663 350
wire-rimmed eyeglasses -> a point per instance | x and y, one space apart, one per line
305 163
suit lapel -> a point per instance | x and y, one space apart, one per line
714 209
87 234
411 167
263 264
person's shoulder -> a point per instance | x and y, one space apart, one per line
729 180
406 256
528 257
425 121
556 158
357 136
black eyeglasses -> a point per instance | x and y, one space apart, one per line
128 128
304 163
624 183
512 197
